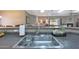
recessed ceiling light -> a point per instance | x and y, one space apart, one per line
42 11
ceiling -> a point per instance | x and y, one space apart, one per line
53 12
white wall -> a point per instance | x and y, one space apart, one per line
13 17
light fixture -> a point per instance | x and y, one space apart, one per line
59 11
76 11
0 16
42 11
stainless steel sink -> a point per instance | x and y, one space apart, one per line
39 41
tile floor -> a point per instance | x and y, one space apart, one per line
71 41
